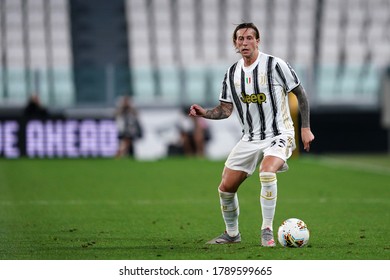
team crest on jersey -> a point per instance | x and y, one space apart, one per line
262 79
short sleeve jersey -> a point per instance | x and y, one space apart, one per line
259 94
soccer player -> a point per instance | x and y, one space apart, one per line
256 87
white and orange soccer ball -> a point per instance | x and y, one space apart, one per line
293 233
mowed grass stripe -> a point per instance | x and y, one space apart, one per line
148 202
122 209
379 166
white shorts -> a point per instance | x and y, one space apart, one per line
246 155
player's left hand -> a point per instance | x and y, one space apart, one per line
307 137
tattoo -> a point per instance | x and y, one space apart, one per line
222 111
303 104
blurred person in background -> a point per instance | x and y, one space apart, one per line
34 108
194 133
256 87
129 127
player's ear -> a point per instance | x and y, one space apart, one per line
236 48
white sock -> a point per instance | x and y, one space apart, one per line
268 197
230 211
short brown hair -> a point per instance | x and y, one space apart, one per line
245 25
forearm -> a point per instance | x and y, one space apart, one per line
303 104
222 111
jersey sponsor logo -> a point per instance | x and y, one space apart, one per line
253 98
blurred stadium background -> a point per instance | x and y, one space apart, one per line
81 55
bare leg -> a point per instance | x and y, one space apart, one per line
123 148
271 164
231 180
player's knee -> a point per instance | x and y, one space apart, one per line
228 186
223 187
271 164
268 168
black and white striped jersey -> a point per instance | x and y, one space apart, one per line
259 95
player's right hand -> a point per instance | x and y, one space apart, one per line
196 111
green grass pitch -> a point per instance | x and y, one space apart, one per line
107 209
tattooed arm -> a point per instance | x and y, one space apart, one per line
222 111
303 104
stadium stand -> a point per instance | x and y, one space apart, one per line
81 55
36 53
352 39
354 50
179 49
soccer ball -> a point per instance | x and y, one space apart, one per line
294 233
